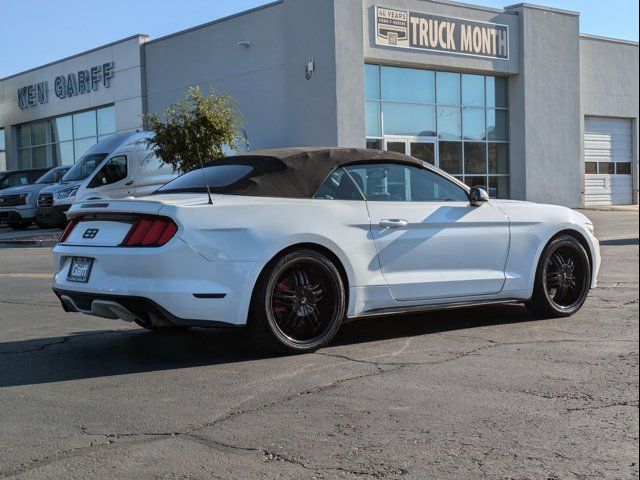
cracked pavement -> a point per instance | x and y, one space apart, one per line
487 392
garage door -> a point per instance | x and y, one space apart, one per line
608 152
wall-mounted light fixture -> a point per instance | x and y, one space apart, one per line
244 43
310 68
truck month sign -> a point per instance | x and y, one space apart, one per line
404 29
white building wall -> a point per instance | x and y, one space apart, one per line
126 91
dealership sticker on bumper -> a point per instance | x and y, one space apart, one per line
80 269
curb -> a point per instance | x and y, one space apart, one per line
28 243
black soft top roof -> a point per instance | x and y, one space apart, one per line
299 172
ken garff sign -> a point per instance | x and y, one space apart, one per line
404 29
69 85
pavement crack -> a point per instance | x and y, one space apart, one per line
39 348
61 341
599 407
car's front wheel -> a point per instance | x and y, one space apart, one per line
563 278
21 225
298 303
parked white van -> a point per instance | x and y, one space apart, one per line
119 166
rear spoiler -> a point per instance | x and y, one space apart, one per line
149 207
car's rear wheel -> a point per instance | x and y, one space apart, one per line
563 278
298 303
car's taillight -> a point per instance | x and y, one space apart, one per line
69 228
150 232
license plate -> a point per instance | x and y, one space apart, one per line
80 269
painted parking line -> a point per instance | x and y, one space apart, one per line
45 276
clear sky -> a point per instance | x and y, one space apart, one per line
35 32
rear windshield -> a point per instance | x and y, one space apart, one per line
53 176
229 176
84 167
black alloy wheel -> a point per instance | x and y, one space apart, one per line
298 303
563 278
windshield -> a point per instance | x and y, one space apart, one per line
84 167
227 175
53 176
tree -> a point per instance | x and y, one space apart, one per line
195 129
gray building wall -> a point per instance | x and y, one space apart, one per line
609 85
280 106
544 99
126 92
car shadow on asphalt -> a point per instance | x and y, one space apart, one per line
102 353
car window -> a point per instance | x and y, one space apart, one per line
53 176
14 180
113 171
84 167
390 182
220 179
338 186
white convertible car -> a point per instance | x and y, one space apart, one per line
290 242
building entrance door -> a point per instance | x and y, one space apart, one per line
422 148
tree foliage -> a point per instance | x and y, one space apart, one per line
195 129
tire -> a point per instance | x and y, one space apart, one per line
298 303
21 225
563 279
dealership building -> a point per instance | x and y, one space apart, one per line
513 99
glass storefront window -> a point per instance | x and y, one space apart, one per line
62 129
65 153
2 141
374 143
497 124
475 158
371 82
84 124
450 154
449 123
498 154
40 133
498 187
408 85
43 156
473 90
24 136
24 158
476 181
81 146
372 119
409 119
467 112
497 92
448 88
62 140
473 124
106 120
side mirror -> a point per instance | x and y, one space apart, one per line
478 195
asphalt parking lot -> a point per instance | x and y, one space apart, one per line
487 392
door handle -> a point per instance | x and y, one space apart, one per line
393 223
131 182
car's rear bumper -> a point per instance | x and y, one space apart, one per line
126 308
174 280
52 216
